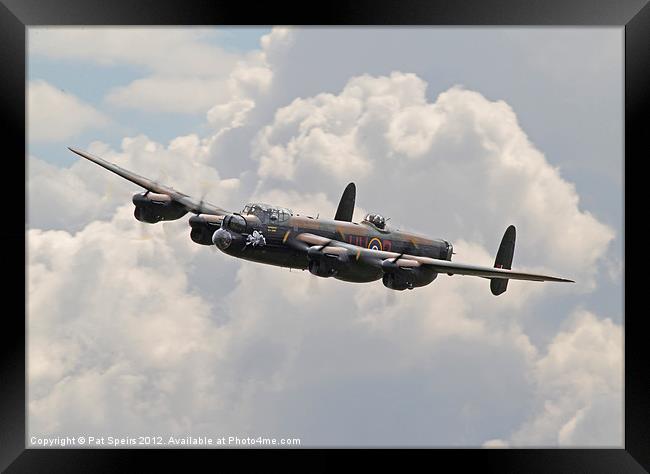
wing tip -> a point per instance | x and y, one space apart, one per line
76 150
562 280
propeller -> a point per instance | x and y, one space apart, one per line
206 188
164 176
391 298
168 230
143 231
108 190
313 284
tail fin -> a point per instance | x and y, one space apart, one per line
504 260
346 204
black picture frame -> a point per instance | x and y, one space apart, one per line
17 15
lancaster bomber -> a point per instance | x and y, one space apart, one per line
337 248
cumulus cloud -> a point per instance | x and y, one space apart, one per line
119 320
227 97
163 50
470 152
132 333
186 73
276 43
107 329
579 387
170 94
231 114
69 198
227 92
187 93
109 337
249 80
134 329
55 115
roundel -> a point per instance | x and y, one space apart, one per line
375 244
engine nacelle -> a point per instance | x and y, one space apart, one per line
447 251
236 223
152 208
203 228
408 278
326 262
324 267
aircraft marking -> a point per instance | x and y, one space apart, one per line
375 244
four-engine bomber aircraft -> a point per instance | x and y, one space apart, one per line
339 248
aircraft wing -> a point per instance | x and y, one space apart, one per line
355 252
191 204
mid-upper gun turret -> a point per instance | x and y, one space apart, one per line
376 220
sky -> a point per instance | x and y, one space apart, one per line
455 133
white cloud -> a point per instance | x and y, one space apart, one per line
166 51
277 42
163 335
56 115
227 96
96 344
122 339
186 74
580 387
252 74
190 94
69 198
231 114
61 198
170 94
117 320
470 152
121 321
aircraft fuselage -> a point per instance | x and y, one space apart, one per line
275 250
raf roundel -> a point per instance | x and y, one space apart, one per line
375 244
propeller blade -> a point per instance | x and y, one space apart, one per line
168 230
143 232
313 284
206 188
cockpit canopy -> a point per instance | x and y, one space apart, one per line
375 219
266 213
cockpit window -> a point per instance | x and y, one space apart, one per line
375 219
266 213
257 211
